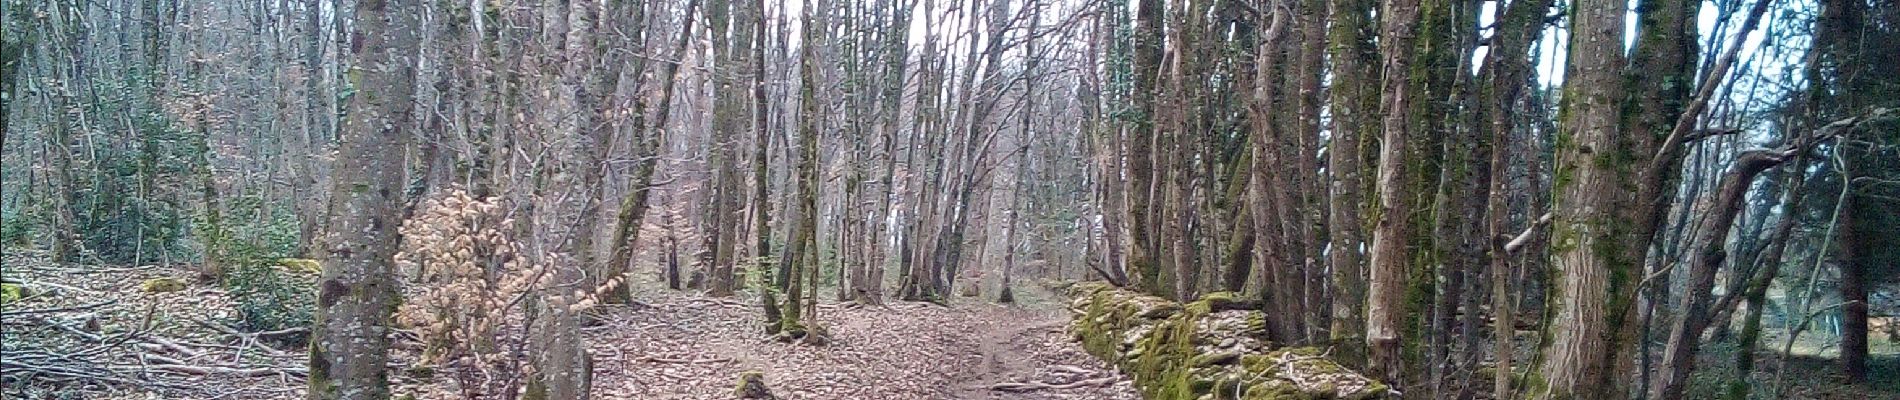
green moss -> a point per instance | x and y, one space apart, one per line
10 293
1163 369
162 285
536 389
321 387
1166 348
751 386
301 265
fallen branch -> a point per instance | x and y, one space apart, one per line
1019 387
1072 370
685 361
11 313
1524 238
168 364
172 346
48 284
215 370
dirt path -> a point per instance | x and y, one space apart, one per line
1006 357
694 348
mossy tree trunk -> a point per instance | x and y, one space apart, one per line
1354 103
1386 303
357 291
1593 276
722 205
799 257
1769 262
1143 253
761 145
1660 79
633 206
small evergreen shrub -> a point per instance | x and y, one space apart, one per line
270 300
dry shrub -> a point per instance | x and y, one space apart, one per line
469 284
466 279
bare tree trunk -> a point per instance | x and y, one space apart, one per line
891 101
561 366
722 213
65 44
1685 334
670 263
761 192
1507 69
1312 189
1858 254
18 40
1265 214
315 136
350 339
1769 262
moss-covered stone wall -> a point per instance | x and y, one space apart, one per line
1215 348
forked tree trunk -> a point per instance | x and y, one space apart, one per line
1706 255
634 205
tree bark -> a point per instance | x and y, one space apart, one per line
1756 293
1263 212
722 213
1706 255
350 338
1354 101
1507 70
634 205
804 238
1385 315
1594 281
1143 253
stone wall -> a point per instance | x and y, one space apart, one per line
1214 348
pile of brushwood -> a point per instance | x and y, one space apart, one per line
108 332
1213 348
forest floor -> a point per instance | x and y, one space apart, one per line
90 332
690 347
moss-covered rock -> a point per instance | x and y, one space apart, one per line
162 285
300 265
752 386
1214 348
